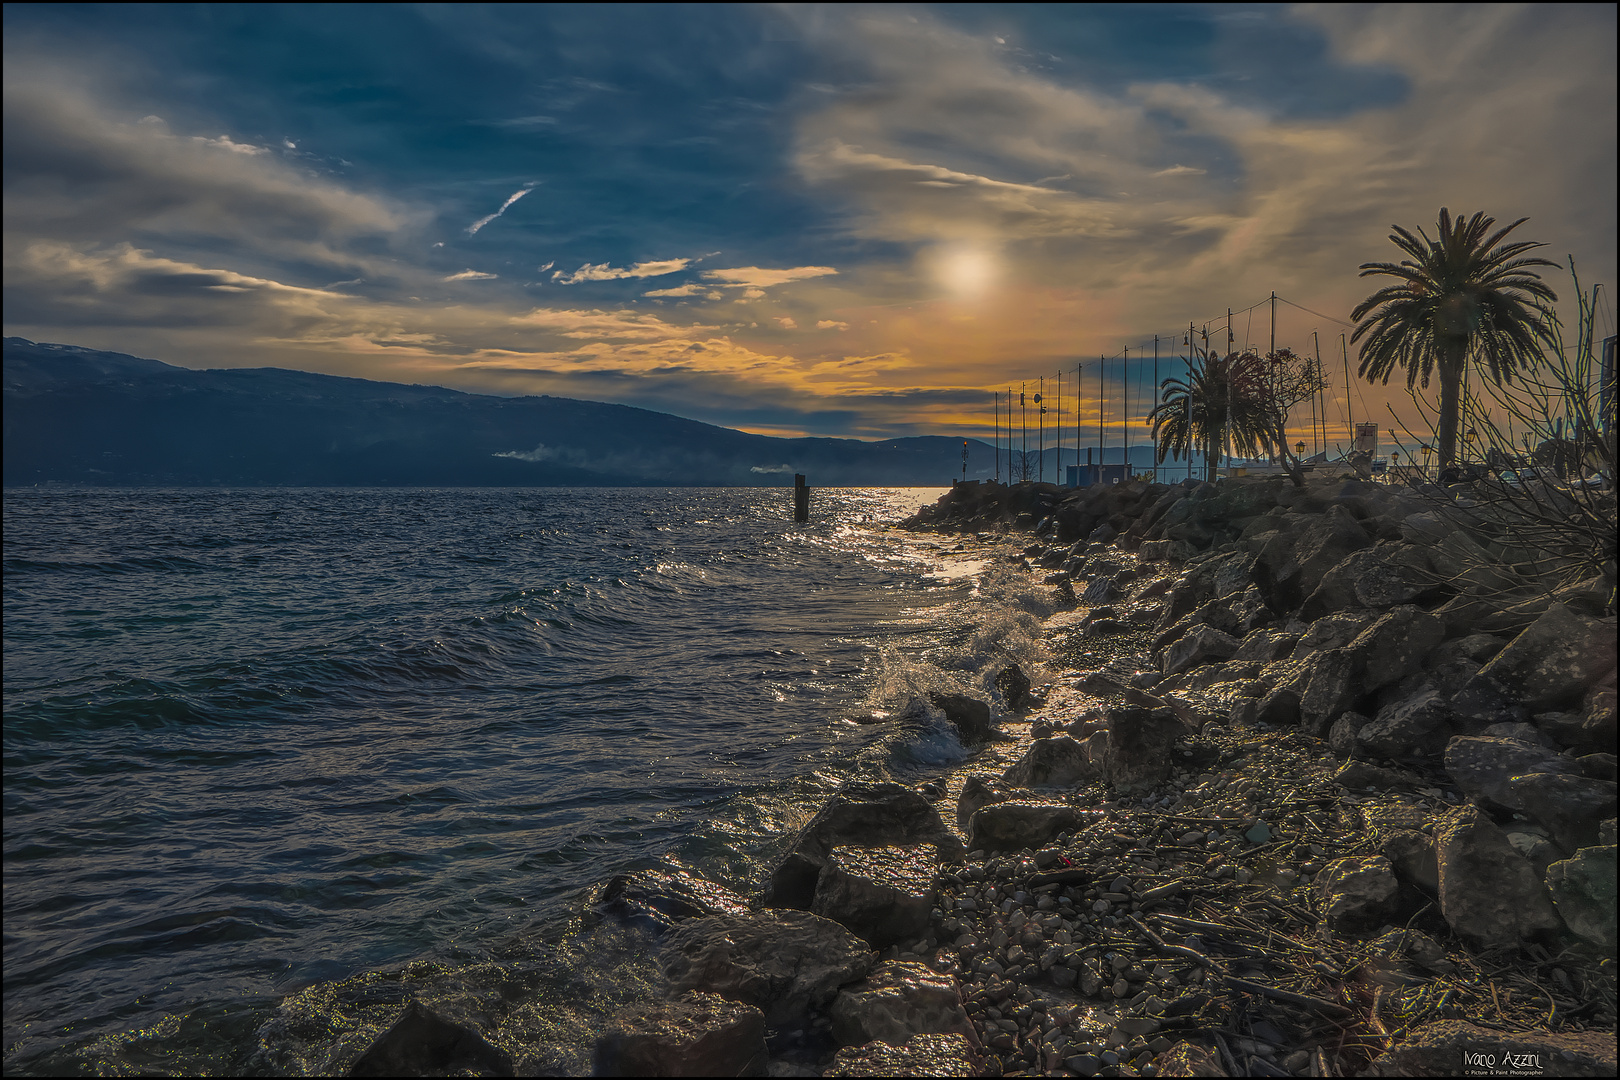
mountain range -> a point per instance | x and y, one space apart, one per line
82 416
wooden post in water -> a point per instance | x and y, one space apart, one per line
801 498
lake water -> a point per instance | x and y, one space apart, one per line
259 739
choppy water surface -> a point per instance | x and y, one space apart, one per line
256 739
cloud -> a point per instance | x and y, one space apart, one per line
77 174
604 272
541 452
772 470
786 322
472 230
831 324
471 275
1181 170
755 277
225 142
603 325
680 290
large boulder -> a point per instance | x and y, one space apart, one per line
1485 767
1410 726
1009 826
1583 891
980 791
783 963
863 814
657 899
1385 576
896 1001
421 1042
1200 646
921 1055
969 715
1439 1049
1592 727
1288 569
694 1035
1331 690
1356 894
1489 893
1396 645
1140 746
883 894
1411 855
1569 806
1265 646
1555 660
1055 762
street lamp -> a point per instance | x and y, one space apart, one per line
1427 450
1299 448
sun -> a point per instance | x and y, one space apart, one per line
968 271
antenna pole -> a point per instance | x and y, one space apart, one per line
1126 371
1153 401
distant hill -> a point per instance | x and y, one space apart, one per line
75 415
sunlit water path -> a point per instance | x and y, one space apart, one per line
260 738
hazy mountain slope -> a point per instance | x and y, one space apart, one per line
82 416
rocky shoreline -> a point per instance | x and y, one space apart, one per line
1309 798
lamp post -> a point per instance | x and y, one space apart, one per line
1394 466
1427 450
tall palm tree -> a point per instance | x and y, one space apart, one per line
1463 295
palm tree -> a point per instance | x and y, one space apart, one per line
1460 296
1209 409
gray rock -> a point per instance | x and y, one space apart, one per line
1412 856
1288 570
657 899
1489 893
863 814
1555 660
1357 893
1344 732
882 894
1013 686
783 963
423 1043
1359 776
1569 806
1054 762
1101 590
1521 732
1414 725
1592 727
1583 891
970 717
922 1055
694 1035
1008 826
1334 685
1541 852
1436 1049
1266 646
1140 742
1484 767
980 791
1199 646
1331 632
896 1001
1474 647
1396 645
1385 576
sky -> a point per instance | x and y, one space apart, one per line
851 220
